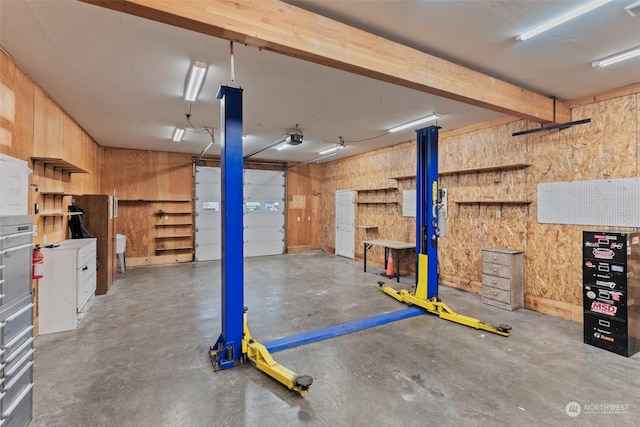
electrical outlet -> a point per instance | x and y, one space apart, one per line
498 214
298 218
35 230
166 217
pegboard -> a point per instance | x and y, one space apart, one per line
605 202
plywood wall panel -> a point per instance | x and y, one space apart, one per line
16 115
146 175
48 126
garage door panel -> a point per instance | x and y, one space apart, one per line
251 220
263 220
257 192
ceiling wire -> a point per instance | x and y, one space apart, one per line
365 139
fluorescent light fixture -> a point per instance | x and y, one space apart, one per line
618 57
562 19
194 80
414 123
178 133
283 146
332 149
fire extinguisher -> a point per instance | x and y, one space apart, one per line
38 263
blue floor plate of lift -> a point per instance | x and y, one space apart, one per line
341 329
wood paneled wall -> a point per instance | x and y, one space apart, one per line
147 183
32 126
304 219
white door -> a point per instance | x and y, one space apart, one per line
208 220
264 227
345 223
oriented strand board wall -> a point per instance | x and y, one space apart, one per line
605 148
372 171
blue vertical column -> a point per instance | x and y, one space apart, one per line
426 199
229 346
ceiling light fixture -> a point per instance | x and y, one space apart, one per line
562 19
413 123
195 79
332 149
633 9
618 57
283 146
178 133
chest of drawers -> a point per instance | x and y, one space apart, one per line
502 278
68 287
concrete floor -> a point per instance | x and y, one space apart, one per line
140 358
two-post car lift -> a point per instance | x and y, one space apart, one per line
235 345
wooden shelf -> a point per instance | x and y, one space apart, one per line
513 166
377 203
182 248
377 189
367 226
53 214
59 164
401 177
74 213
184 236
53 193
173 225
160 213
157 200
494 202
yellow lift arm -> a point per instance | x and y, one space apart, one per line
418 297
260 356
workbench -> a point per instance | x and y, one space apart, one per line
393 245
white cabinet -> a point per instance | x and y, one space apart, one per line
67 289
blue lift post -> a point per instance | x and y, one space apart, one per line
426 201
428 231
228 348
236 345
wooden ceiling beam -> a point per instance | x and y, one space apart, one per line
289 30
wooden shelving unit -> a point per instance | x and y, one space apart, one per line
58 164
377 196
174 226
496 168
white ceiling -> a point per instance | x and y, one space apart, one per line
122 77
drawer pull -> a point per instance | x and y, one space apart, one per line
15 315
495 294
26 344
495 282
13 236
16 248
18 337
18 375
15 404
495 269
86 267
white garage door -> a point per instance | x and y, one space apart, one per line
208 206
263 212
264 193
